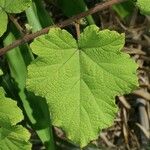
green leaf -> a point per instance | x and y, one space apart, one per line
9 110
80 79
144 6
4 21
12 136
11 6
1 72
14 6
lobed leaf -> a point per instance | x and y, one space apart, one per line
144 6
80 79
12 136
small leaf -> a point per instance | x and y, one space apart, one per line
1 72
9 110
12 136
80 79
144 6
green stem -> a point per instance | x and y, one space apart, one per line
16 62
32 18
89 18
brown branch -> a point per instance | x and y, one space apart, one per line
29 37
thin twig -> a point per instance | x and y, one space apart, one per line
15 22
77 26
29 37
